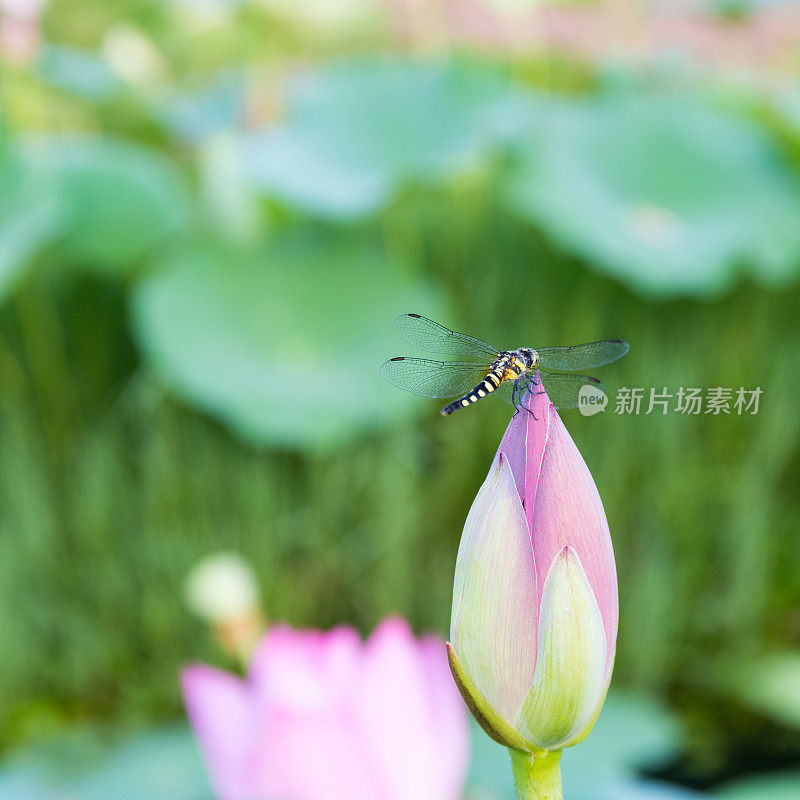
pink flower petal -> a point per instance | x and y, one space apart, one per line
302 755
219 710
391 708
412 720
562 505
305 670
524 443
324 716
448 718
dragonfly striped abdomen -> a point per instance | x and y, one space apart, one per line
508 373
507 367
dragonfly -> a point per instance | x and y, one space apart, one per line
490 370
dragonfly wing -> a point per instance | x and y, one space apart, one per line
432 337
582 356
506 391
433 378
564 390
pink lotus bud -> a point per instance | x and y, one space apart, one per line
325 716
535 612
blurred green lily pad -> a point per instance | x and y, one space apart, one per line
771 685
355 131
282 343
636 789
193 114
665 194
117 200
81 72
774 786
29 216
159 764
633 733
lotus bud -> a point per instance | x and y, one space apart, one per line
535 612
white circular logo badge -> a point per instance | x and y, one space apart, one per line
591 400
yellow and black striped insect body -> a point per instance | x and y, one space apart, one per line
491 371
509 366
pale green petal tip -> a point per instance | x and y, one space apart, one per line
480 708
570 677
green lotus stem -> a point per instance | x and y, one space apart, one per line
537 777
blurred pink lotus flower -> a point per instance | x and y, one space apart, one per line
535 612
325 716
762 41
20 29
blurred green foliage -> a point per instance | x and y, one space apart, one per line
199 268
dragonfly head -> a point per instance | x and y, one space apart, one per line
529 356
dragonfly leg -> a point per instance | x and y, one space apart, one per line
528 383
514 402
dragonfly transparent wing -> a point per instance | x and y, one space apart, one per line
564 390
513 391
582 356
432 337
433 378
